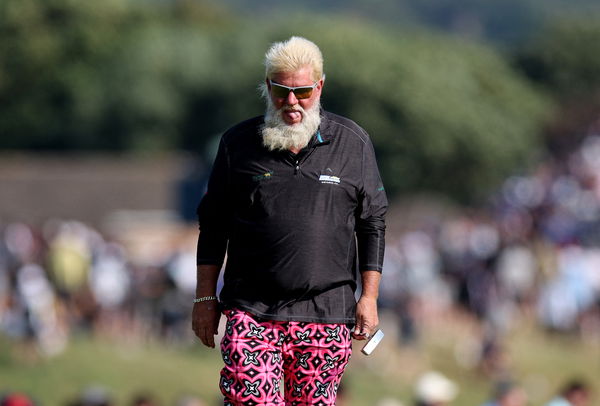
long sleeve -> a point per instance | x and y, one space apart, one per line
213 213
370 216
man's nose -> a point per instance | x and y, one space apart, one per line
291 99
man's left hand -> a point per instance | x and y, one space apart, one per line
366 318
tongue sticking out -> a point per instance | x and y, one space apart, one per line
292 117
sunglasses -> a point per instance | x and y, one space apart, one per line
301 92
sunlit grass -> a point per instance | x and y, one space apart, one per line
540 362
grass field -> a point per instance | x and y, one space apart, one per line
540 362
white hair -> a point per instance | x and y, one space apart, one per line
292 55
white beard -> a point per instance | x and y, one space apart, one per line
278 135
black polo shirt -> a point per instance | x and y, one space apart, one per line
295 227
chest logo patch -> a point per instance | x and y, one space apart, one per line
329 179
263 176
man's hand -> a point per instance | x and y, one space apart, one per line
366 308
206 315
205 321
366 318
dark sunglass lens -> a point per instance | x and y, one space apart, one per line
303 92
279 91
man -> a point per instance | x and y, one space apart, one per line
507 393
295 199
434 389
575 393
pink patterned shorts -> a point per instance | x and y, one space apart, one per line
258 354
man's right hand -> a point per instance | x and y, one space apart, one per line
205 321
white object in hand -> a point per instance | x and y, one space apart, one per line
372 343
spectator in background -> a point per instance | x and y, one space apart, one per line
144 399
190 400
38 299
93 396
16 399
575 393
434 389
508 394
110 282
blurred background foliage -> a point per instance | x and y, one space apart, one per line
453 113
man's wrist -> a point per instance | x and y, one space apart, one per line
205 299
368 298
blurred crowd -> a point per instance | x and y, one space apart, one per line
432 388
67 278
533 252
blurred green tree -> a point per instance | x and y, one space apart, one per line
564 57
564 60
51 57
503 22
112 75
446 115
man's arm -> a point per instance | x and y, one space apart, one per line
366 308
370 237
213 213
206 315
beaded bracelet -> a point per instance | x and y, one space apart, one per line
204 299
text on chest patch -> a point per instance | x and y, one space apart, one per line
329 179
